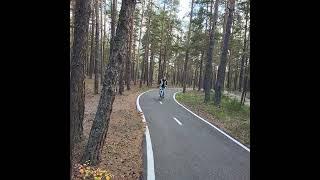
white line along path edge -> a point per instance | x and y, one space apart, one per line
150 160
174 97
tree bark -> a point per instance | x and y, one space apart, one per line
229 75
244 92
128 62
134 74
187 51
101 43
86 69
200 73
121 83
236 73
113 21
139 42
151 66
223 58
92 53
144 74
208 67
243 51
97 50
100 124
160 69
77 83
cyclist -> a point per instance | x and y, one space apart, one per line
163 84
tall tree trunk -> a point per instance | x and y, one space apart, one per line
229 75
223 58
160 70
77 83
101 42
187 51
88 43
104 46
129 56
246 74
113 21
134 74
97 51
160 64
151 66
195 78
167 46
244 50
143 68
244 92
146 68
100 124
200 73
92 53
208 67
140 35
235 82
146 51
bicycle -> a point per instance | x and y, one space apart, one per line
161 93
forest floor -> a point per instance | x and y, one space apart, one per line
122 153
230 117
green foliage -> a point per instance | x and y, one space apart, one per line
231 115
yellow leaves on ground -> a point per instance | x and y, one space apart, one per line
87 172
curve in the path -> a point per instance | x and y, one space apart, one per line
186 147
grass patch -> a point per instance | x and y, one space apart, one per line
231 116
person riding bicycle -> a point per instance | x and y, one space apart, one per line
163 84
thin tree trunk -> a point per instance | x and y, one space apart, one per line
229 74
97 50
166 47
243 52
77 83
160 65
129 56
160 70
100 124
101 43
208 67
235 82
195 78
113 21
146 68
104 47
92 53
134 74
88 44
200 74
223 58
244 92
140 35
187 51
151 66
144 74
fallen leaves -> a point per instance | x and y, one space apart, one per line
122 152
87 172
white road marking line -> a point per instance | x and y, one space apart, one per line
160 102
177 121
150 160
237 142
